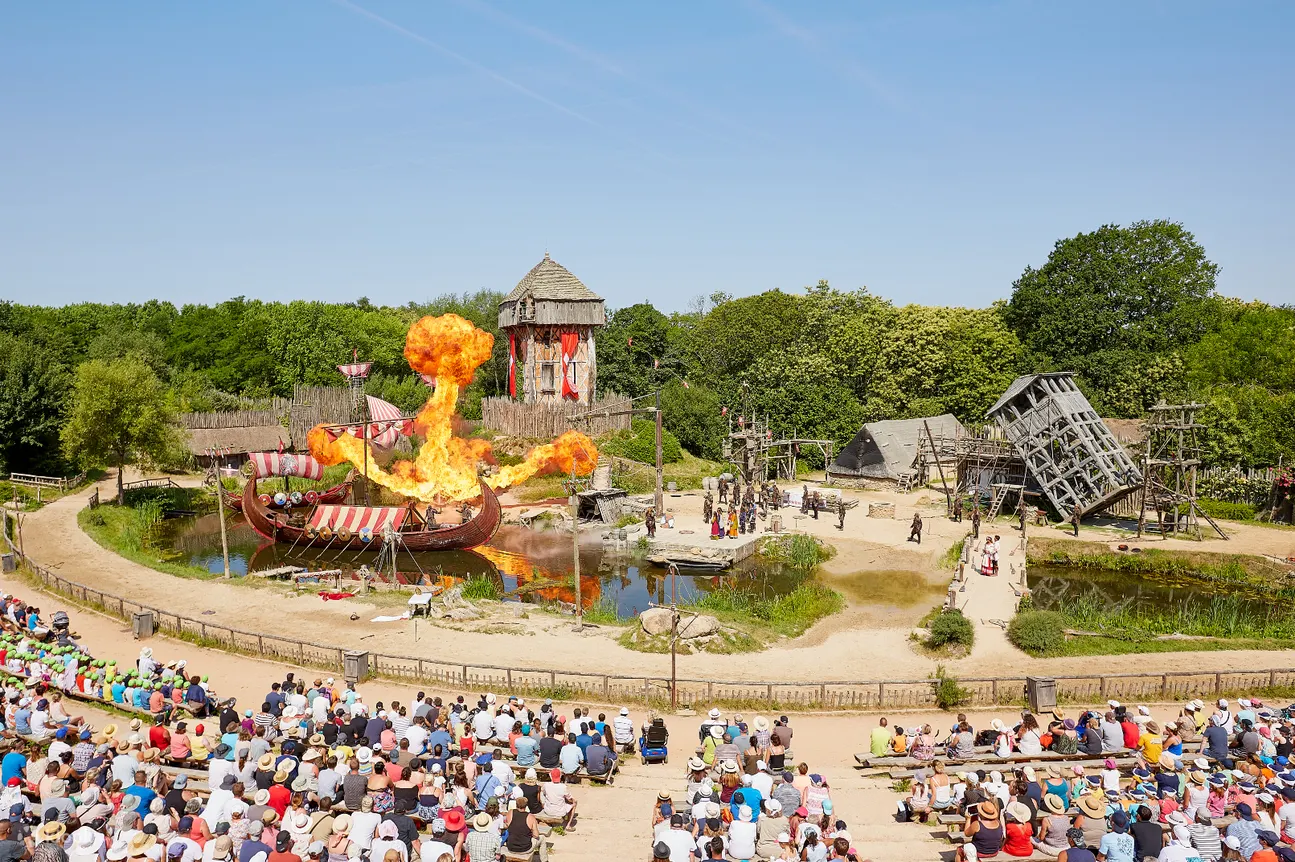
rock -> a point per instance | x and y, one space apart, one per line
463 614
703 625
655 621
518 609
919 634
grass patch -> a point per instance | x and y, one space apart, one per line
799 551
541 488
481 587
951 557
603 612
950 628
788 615
130 530
1201 567
949 694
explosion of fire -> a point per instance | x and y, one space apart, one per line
450 349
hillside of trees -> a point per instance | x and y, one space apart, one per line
1134 310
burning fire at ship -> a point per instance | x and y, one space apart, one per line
449 349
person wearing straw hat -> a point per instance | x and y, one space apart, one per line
984 830
482 844
52 831
1091 819
1053 825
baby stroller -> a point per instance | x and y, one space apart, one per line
652 744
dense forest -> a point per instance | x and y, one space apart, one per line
1133 310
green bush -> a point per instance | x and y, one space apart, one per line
1038 633
948 693
481 587
951 628
1226 510
639 444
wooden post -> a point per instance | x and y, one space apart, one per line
948 498
660 467
574 502
220 507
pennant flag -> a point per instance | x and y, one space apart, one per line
723 411
512 365
630 342
655 363
685 384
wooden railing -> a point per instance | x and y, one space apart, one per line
35 481
159 482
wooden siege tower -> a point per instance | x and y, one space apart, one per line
550 318
1066 446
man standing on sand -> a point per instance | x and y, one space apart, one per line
957 509
707 507
975 522
649 521
1074 521
915 529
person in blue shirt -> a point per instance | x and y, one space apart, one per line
118 690
440 737
13 765
584 740
141 789
141 697
230 738
22 719
527 750
196 698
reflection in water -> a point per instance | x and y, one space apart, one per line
515 558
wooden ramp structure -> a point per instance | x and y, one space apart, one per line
1067 448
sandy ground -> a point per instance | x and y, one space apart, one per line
839 648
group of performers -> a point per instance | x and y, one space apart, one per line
744 506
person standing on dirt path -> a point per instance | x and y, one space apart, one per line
1074 521
840 515
649 521
915 529
957 509
975 522
707 505
723 490
1020 513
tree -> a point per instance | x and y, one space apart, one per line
121 414
1111 300
33 389
692 415
636 351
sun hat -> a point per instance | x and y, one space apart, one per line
481 822
987 809
141 843
716 731
997 724
1092 806
117 852
265 761
660 850
1018 811
52 831
262 797
761 723
1054 803
714 713
1168 762
696 764
342 824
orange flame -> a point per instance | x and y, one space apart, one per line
450 349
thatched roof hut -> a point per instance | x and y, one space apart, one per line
242 439
550 295
888 449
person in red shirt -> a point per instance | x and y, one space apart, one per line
1132 733
158 736
1267 841
280 796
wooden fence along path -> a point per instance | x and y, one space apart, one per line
544 421
614 688
34 481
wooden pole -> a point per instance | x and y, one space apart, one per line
220 507
660 467
574 502
948 498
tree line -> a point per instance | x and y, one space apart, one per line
1133 310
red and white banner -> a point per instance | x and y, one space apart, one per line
512 365
570 342
355 369
356 518
388 422
285 464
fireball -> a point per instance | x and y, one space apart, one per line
450 349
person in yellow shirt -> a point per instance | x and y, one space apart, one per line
1151 744
879 740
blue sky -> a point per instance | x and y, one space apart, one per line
399 149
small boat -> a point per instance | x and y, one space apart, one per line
358 527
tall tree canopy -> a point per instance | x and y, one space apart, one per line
1114 301
121 414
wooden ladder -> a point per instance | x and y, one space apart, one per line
995 504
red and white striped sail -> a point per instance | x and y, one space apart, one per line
356 518
355 369
388 423
285 464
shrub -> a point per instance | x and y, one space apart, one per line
948 693
1226 510
481 587
639 444
1038 632
951 628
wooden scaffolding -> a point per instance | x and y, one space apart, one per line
1169 465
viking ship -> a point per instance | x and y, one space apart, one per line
359 527
286 464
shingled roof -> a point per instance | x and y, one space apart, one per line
550 280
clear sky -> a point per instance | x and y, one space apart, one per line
400 149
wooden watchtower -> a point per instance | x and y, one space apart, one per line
550 318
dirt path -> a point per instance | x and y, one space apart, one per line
829 651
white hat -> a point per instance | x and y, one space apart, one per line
714 713
1190 706
773 806
1142 710
716 731
1223 702
1183 834
1199 704
625 710
784 838
1233 842
490 698
1245 704
1113 704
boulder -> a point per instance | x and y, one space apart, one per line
463 614
655 621
703 625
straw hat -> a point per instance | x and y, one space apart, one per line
761 723
262 797
141 843
988 809
265 761
310 755
52 831
342 824
481 822
280 777
997 724
110 730
1167 762
1092 806
1196 776
317 739
1053 770
1018 811
1054 803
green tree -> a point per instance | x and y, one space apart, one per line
33 391
120 414
1111 300
637 351
692 414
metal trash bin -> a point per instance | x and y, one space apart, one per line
142 624
1041 693
355 665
